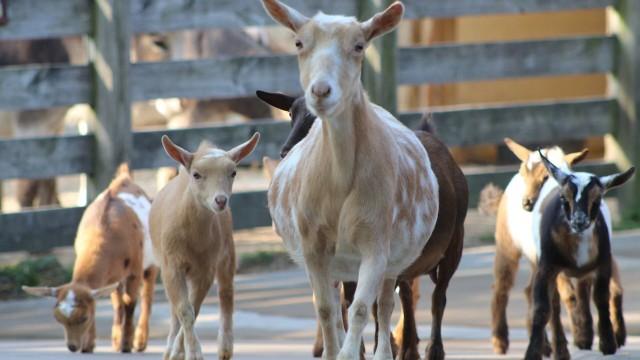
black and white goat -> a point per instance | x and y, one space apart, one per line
574 239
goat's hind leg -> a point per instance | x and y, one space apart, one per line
142 330
405 334
560 349
225 273
615 305
505 268
384 309
607 344
118 319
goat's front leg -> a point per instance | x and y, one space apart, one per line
615 304
325 301
601 299
385 308
560 349
178 294
142 330
370 276
541 311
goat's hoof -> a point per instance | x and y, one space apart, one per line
88 349
562 353
140 341
225 354
608 347
435 351
621 337
583 343
174 356
500 345
532 354
317 351
546 349
409 354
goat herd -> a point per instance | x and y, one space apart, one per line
365 205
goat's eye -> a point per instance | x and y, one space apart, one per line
359 47
197 176
233 174
299 44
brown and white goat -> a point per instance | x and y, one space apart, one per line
515 237
450 224
113 256
357 199
192 233
574 238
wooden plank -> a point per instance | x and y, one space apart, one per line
539 122
220 78
624 147
379 67
454 8
148 151
451 63
479 176
39 230
42 86
43 157
109 42
170 15
250 210
46 19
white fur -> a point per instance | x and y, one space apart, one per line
67 305
141 207
326 22
214 153
583 252
581 180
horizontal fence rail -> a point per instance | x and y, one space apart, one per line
73 17
537 122
41 230
26 87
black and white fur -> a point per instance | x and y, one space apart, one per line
574 240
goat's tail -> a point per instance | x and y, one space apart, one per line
490 200
426 124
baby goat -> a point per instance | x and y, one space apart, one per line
113 256
192 234
575 240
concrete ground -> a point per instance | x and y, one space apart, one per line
274 316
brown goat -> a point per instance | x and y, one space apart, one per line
113 256
192 234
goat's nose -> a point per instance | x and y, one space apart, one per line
527 204
72 348
321 89
221 201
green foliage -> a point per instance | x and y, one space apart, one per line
627 223
43 271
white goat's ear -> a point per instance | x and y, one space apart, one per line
42 291
576 157
383 22
557 173
521 152
243 150
177 153
104 291
612 181
285 15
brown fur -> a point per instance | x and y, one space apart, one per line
109 259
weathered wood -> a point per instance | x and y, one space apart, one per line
454 8
29 19
42 86
148 152
167 15
625 147
109 43
250 210
220 78
379 67
39 230
479 176
548 122
46 157
451 63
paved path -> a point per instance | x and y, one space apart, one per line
274 317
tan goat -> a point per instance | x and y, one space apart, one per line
192 236
113 256
357 199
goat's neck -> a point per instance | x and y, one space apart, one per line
340 137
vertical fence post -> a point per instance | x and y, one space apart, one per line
379 68
626 130
109 54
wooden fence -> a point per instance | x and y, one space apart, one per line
110 83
